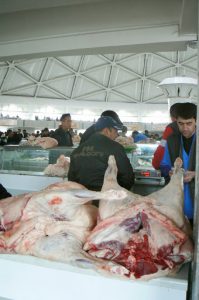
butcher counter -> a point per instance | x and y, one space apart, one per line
26 277
21 167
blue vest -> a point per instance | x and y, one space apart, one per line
188 201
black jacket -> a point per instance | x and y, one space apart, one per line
90 160
87 134
63 137
4 193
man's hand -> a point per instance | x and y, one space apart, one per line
189 175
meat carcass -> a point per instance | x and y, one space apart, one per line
58 241
168 200
59 169
149 236
54 224
11 209
44 142
65 185
109 208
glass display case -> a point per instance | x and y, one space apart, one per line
29 158
141 160
142 156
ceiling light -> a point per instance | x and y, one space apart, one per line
179 87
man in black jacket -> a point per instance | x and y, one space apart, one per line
90 160
63 134
92 129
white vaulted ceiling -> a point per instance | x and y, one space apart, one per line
130 78
98 51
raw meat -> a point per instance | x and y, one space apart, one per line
44 142
125 141
76 139
146 235
168 200
11 209
65 185
109 208
59 241
54 224
59 169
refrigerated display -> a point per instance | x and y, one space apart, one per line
22 167
147 179
22 159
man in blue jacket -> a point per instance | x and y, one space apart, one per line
183 145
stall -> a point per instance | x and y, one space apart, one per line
26 277
22 168
147 179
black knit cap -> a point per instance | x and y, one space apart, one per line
112 114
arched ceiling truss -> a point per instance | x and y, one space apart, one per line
130 78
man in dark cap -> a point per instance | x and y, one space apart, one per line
91 130
63 134
90 160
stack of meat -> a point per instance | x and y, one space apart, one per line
43 142
59 169
54 224
136 237
125 141
76 139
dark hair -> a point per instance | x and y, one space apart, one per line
64 116
112 114
124 128
174 110
187 110
135 132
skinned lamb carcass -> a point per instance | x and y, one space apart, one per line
60 204
148 237
125 141
11 209
55 224
168 200
76 139
59 169
67 205
44 142
109 208
57 241
65 185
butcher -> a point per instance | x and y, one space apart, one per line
183 145
90 160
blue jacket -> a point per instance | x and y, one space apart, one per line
139 137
